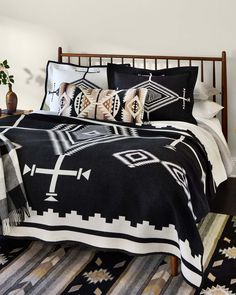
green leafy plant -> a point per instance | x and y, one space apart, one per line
5 78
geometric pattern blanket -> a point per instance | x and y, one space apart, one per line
113 186
38 267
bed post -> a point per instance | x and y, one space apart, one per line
174 265
59 57
224 95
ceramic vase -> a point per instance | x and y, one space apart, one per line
11 101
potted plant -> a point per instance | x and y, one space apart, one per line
6 79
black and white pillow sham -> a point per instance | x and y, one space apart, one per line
102 104
170 90
57 73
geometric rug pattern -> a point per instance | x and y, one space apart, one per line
37 267
220 275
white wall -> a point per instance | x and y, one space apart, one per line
31 31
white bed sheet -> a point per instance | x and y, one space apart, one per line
214 127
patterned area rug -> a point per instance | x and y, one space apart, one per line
36 267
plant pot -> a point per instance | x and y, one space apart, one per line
11 101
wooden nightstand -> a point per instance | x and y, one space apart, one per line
4 114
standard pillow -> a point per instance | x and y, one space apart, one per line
170 90
206 109
102 104
204 91
56 73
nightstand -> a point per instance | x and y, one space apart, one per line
4 114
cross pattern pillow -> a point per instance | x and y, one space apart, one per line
170 90
102 104
57 73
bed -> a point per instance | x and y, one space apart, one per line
102 164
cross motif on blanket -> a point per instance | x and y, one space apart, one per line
55 173
172 145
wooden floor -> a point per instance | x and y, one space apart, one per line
225 199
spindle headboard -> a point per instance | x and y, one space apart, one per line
212 69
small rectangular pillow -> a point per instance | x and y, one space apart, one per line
57 73
170 90
102 104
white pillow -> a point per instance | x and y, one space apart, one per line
203 91
56 73
205 109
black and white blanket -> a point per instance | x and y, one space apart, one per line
137 189
13 203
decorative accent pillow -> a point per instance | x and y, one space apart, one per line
204 91
206 109
56 73
170 90
102 104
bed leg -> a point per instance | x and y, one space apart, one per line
174 265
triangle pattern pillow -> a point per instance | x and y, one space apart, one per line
102 104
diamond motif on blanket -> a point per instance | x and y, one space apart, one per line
92 133
178 173
135 158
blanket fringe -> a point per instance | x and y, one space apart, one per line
15 218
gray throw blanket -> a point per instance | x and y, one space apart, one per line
12 209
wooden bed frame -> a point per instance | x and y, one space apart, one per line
144 61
